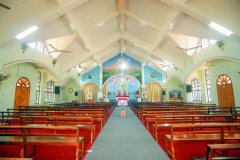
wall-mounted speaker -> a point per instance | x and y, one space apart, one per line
76 93
188 88
57 90
163 92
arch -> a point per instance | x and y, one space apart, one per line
49 68
132 96
22 93
189 72
90 91
174 77
225 91
120 74
154 91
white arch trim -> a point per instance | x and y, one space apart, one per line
120 74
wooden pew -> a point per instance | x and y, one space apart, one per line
209 132
211 148
42 136
107 111
149 116
204 110
95 114
166 120
6 158
81 122
8 116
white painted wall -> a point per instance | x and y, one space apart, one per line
67 96
232 69
171 85
8 87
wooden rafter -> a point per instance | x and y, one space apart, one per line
119 5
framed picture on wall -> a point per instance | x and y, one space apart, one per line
70 90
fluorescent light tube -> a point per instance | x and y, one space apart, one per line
26 32
220 29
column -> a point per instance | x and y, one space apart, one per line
43 87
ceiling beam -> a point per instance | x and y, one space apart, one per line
168 26
136 42
107 42
140 19
42 21
103 20
119 4
192 13
141 45
109 54
72 22
95 51
57 2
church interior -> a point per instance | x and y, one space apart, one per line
119 79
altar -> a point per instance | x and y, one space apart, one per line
122 100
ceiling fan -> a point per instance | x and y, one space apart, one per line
80 66
4 6
188 49
57 50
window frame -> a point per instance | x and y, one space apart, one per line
196 90
49 92
38 88
208 86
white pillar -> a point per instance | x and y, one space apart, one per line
101 76
143 77
43 87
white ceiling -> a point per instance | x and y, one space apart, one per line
142 26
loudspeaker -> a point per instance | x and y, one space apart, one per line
189 88
163 92
76 93
57 90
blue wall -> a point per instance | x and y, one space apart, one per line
112 67
92 76
152 75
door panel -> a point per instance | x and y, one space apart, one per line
225 91
22 93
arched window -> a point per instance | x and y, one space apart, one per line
49 92
23 82
223 79
196 90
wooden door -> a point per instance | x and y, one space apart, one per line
225 91
22 93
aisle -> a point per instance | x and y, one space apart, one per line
125 139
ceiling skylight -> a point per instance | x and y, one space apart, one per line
220 29
190 45
27 32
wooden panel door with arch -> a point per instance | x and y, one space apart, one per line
22 93
225 91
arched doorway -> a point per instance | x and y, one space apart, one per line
154 92
225 91
90 91
22 93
